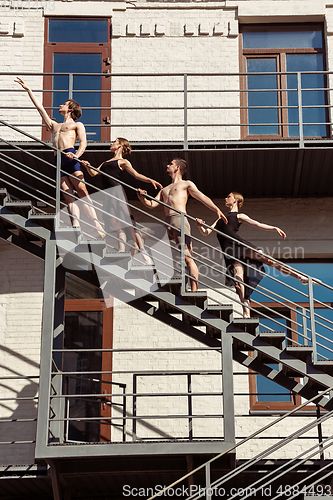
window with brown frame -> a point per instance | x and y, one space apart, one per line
283 92
265 395
77 51
88 328
289 317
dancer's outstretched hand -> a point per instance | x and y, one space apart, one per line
21 82
156 184
222 216
281 233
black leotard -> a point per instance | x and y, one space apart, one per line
233 249
110 167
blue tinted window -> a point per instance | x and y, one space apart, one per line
321 294
257 99
86 89
267 390
312 116
283 40
78 30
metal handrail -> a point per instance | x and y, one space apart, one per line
187 90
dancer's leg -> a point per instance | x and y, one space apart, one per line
252 254
240 288
79 185
68 194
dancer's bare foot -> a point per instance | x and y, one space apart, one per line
99 228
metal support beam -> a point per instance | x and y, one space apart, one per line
58 404
56 487
228 388
46 348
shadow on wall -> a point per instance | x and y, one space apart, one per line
18 410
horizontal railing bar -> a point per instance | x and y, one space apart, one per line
138 417
142 372
139 349
160 75
135 394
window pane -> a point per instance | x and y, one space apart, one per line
258 99
78 31
282 40
307 62
80 63
270 391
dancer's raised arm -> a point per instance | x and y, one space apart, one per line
254 223
38 105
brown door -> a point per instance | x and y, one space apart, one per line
88 329
78 73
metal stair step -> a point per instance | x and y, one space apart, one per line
95 246
273 338
121 259
19 207
300 352
172 285
3 195
222 311
44 220
67 233
196 298
326 365
249 325
142 272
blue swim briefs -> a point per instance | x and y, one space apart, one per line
68 166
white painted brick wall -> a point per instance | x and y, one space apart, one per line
162 46
21 295
175 52
21 54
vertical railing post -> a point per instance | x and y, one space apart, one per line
208 483
124 414
134 410
320 435
58 180
185 113
70 86
189 406
305 326
312 321
300 109
182 253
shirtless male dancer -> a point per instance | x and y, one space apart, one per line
64 137
176 195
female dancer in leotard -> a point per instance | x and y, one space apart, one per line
250 256
119 207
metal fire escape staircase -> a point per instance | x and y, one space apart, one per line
200 315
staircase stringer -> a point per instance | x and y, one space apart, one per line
304 369
288 383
